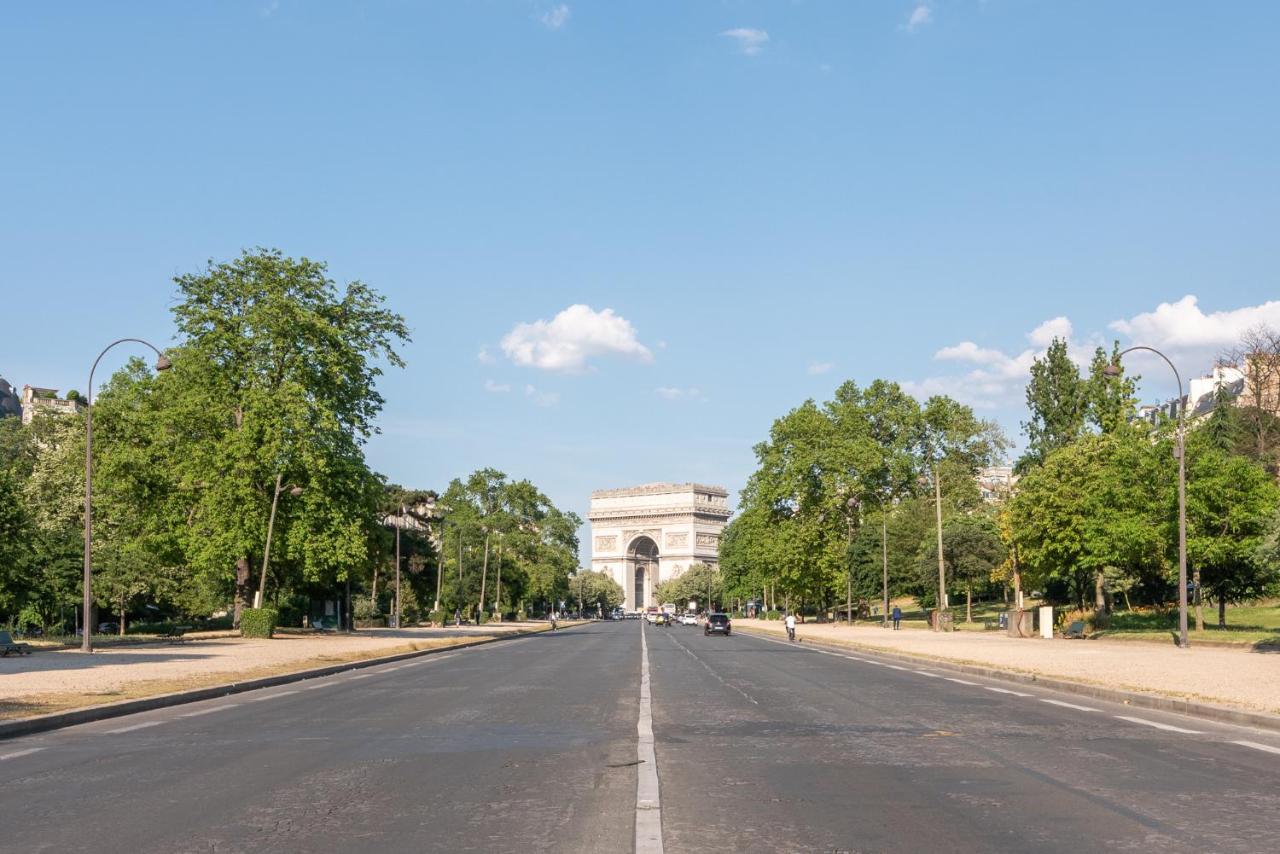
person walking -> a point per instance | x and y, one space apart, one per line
791 626
897 617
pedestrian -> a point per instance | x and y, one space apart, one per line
457 617
897 617
791 625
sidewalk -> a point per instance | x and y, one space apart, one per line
1227 677
55 680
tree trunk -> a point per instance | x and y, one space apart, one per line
373 595
1222 612
968 602
1099 593
122 617
497 598
484 573
242 590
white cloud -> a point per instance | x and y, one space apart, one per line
266 10
670 393
752 41
484 357
555 17
920 16
1191 338
573 336
819 368
1043 335
541 398
496 388
1182 326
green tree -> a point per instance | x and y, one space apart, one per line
1231 503
972 551
1057 402
595 591
275 374
1110 400
698 583
1094 504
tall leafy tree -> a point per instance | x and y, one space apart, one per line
275 375
1110 400
1057 402
1231 503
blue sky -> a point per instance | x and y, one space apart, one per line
768 198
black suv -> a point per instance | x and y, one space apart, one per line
718 623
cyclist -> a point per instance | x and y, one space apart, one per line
791 625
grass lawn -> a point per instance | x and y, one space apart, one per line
1246 624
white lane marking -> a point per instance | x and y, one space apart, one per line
267 697
959 681
133 727
932 675
208 711
317 685
15 754
1067 705
360 676
1268 748
1158 725
1007 691
648 799
714 675
896 667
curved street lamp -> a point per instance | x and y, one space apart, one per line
1112 371
162 364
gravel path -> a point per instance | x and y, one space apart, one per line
1232 677
114 668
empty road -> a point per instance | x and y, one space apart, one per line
533 744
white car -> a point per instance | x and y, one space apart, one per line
689 620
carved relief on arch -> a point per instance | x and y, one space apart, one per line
607 544
708 540
677 539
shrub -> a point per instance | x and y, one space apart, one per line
258 622
773 615
521 616
482 618
437 618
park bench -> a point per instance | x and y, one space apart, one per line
176 634
8 645
1075 630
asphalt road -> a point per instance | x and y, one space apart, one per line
531 744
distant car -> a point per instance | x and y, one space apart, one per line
689 620
661 619
108 628
717 624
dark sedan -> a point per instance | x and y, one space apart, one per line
717 624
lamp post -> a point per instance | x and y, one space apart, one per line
399 524
162 364
259 598
1112 371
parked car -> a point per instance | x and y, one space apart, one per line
689 620
718 624
108 628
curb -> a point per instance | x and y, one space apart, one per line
1137 699
59 720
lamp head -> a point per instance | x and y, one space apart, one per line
163 363
1111 370
296 491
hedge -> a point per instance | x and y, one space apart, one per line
258 622
438 617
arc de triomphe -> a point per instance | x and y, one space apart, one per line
644 535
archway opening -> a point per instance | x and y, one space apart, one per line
644 556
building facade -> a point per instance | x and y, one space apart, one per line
46 400
644 535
